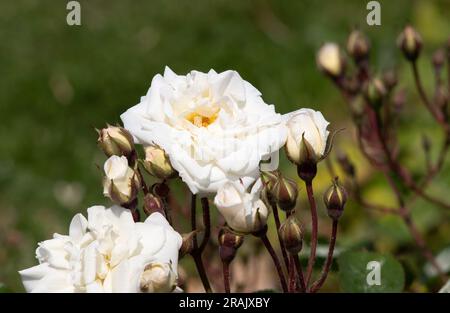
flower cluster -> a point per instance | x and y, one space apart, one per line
214 131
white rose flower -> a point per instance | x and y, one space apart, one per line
310 125
213 126
108 252
121 182
243 211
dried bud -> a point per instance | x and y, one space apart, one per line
153 204
114 140
229 243
330 60
291 234
358 46
390 79
285 193
334 199
158 277
187 245
374 92
410 42
157 163
121 182
439 59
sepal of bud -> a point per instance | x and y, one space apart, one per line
335 198
285 193
115 140
358 46
187 246
157 163
410 42
123 191
229 243
291 234
330 60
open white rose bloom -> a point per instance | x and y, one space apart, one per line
107 252
243 211
215 127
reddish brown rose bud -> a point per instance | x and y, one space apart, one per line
285 193
229 243
153 204
358 46
291 234
335 198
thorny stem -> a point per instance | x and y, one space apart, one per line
278 224
276 261
196 253
326 269
226 276
314 225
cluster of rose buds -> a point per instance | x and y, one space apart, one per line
376 105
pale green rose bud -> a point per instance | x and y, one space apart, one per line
410 42
157 278
114 140
157 163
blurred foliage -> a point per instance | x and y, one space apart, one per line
59 82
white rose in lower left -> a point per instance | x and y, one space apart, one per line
107 252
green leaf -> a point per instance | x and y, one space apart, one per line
358 274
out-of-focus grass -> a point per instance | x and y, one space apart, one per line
58 82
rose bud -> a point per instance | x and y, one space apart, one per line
121 182
334 199
285 193
114 140
243 210
268 180
291 234
358 46
157 163
306 140
390 79
374 92
153 204
330 60
158 277
410 42
229 243
439 59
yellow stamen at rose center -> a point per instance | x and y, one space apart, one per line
202 119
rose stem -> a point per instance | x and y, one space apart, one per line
301 278
312 205
196 254
277 224
318 284
292 274
226 276
144 185
206 223
274 256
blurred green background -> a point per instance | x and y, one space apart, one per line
59 82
